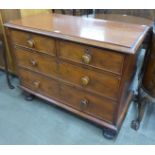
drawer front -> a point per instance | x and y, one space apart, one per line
93 105
98 58
36 61
39 83
103 84
35 42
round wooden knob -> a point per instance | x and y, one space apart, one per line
84 103
33 62
85 80
31 43
86 58
36 84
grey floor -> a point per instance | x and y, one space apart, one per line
37 122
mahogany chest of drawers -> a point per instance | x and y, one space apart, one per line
82 65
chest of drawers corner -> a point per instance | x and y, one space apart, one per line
87 77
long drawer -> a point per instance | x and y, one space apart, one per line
88 103
34 41
36 61
103 84
94 57
96 106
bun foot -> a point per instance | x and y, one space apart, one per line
135 125
29 97
109 134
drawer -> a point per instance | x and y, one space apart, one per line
93 105
39 83
87 103
36 61
36 42
102 83
94 57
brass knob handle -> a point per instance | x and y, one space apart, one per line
85 80
86 58
33 62
31 43
36 84
84 103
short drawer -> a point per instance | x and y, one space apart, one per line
36 61
102 83
93 105
36 42
94 57
39 83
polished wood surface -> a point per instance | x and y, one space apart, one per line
38 83
94 57
96 32
5 16
123 18
88 103
36 42
83 78
101 83
96 106
37 62
146 86
149 75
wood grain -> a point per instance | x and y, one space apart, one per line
103 84
89 75
41 43
149 75
97 106
99 57
40 84
36 61
118 36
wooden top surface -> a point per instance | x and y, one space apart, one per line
119 36
124 18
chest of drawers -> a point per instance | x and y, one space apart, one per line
82 65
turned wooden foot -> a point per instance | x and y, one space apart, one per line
29 97
135 124
109 133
